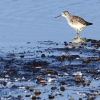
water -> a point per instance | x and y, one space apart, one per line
23 21
30 21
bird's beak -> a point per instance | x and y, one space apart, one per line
58 16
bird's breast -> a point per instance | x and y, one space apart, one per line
77 26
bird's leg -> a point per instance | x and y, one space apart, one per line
78 34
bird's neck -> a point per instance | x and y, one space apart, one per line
68 17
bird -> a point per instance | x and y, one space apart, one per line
75 22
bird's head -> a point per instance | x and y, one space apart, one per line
64 14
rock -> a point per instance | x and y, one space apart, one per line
27 87
86 60
62 83
50 72
31 90
43 55
32 97
20 96
51 96
63 68
37 92
22 56
38 77
90 71
62 88
77 74
53 88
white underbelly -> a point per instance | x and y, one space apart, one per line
77 26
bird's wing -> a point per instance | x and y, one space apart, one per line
76 19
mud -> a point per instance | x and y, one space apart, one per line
46 72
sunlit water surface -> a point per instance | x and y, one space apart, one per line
23 21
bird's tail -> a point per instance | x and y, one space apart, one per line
88 23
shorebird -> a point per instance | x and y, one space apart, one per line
75 22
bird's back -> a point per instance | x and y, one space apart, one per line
77 19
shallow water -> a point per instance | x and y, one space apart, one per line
29 28
30 21
55 63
